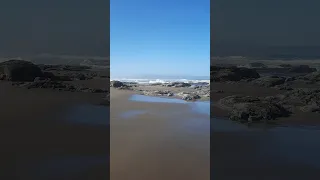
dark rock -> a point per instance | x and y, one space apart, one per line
116 84
258 111
233 74
285 65
283 87
290 79
257 65
313 77
190 97
106 101
247 108
313 107
217 91
177 84
302 69
49 75
269 81
156 93
19 70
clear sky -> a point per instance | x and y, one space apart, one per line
159 37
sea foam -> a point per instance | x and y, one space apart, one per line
160 81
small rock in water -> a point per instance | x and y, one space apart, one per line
190 97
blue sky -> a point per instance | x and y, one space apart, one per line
159 37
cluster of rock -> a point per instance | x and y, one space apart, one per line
312 77
252 109
18 70
26 74
302 69
156 93
57 85
187 96
223 74
46 67
269 81
106 100
120 85
177 84
307 100
249 109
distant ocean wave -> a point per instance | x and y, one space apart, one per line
161 81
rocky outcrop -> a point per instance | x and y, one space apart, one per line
106 100
56 85
269 81
19 70
117 84
313 77
45 67
305 99
257 65
252 109
220 74
156 93
302 69
177 84
188 96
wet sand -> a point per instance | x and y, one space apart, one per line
167 142
33 131
259 155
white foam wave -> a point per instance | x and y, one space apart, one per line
160 81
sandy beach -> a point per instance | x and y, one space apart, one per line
157 144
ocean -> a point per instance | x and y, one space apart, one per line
164 79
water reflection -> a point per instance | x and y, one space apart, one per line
70 166
61 167
89 114
132 113
201 107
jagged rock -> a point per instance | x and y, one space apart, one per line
302 69
190 97
177 84
313 107
314 77
116 84
19 70
257 65
247 108
233 74
283 87
285 65
106 101
269 81
156 93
